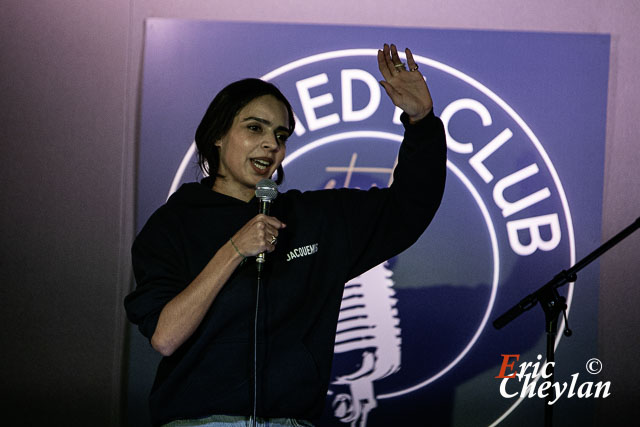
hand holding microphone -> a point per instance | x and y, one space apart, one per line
259 236
266 192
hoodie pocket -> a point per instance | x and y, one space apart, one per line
291 384
220 373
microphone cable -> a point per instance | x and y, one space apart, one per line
266 192
255 352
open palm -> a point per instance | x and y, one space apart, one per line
406 88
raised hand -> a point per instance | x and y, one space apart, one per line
406 88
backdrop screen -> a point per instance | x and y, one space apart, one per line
525 119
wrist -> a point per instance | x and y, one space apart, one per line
417 117
238 251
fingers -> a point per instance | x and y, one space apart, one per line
268 230
384 62
382 66
406 88
270 221
395 59
390 63
410 61
258 235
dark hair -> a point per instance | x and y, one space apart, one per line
219 117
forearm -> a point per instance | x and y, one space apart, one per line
421 170
183 314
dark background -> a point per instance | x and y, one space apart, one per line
70 87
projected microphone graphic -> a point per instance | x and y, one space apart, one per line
368 323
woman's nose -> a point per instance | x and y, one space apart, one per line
270 143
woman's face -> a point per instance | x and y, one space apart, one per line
253 148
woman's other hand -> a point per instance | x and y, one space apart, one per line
406 87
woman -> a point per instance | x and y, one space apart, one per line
195 297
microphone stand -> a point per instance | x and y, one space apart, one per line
553 304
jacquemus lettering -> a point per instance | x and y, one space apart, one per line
302 251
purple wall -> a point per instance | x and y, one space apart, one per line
70 96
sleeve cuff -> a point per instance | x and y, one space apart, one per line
404 118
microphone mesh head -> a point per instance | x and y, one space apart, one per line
266 190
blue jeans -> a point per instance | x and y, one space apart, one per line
238 421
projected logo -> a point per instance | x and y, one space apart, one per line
504 224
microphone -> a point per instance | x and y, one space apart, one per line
368 326
266 191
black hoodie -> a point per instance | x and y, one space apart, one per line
331 237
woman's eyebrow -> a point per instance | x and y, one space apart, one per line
265 122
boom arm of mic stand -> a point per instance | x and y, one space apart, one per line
565 276
532 299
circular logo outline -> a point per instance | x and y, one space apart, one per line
478 86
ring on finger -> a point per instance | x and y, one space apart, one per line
399 66
273 240
414 68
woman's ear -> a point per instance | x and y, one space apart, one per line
218 143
